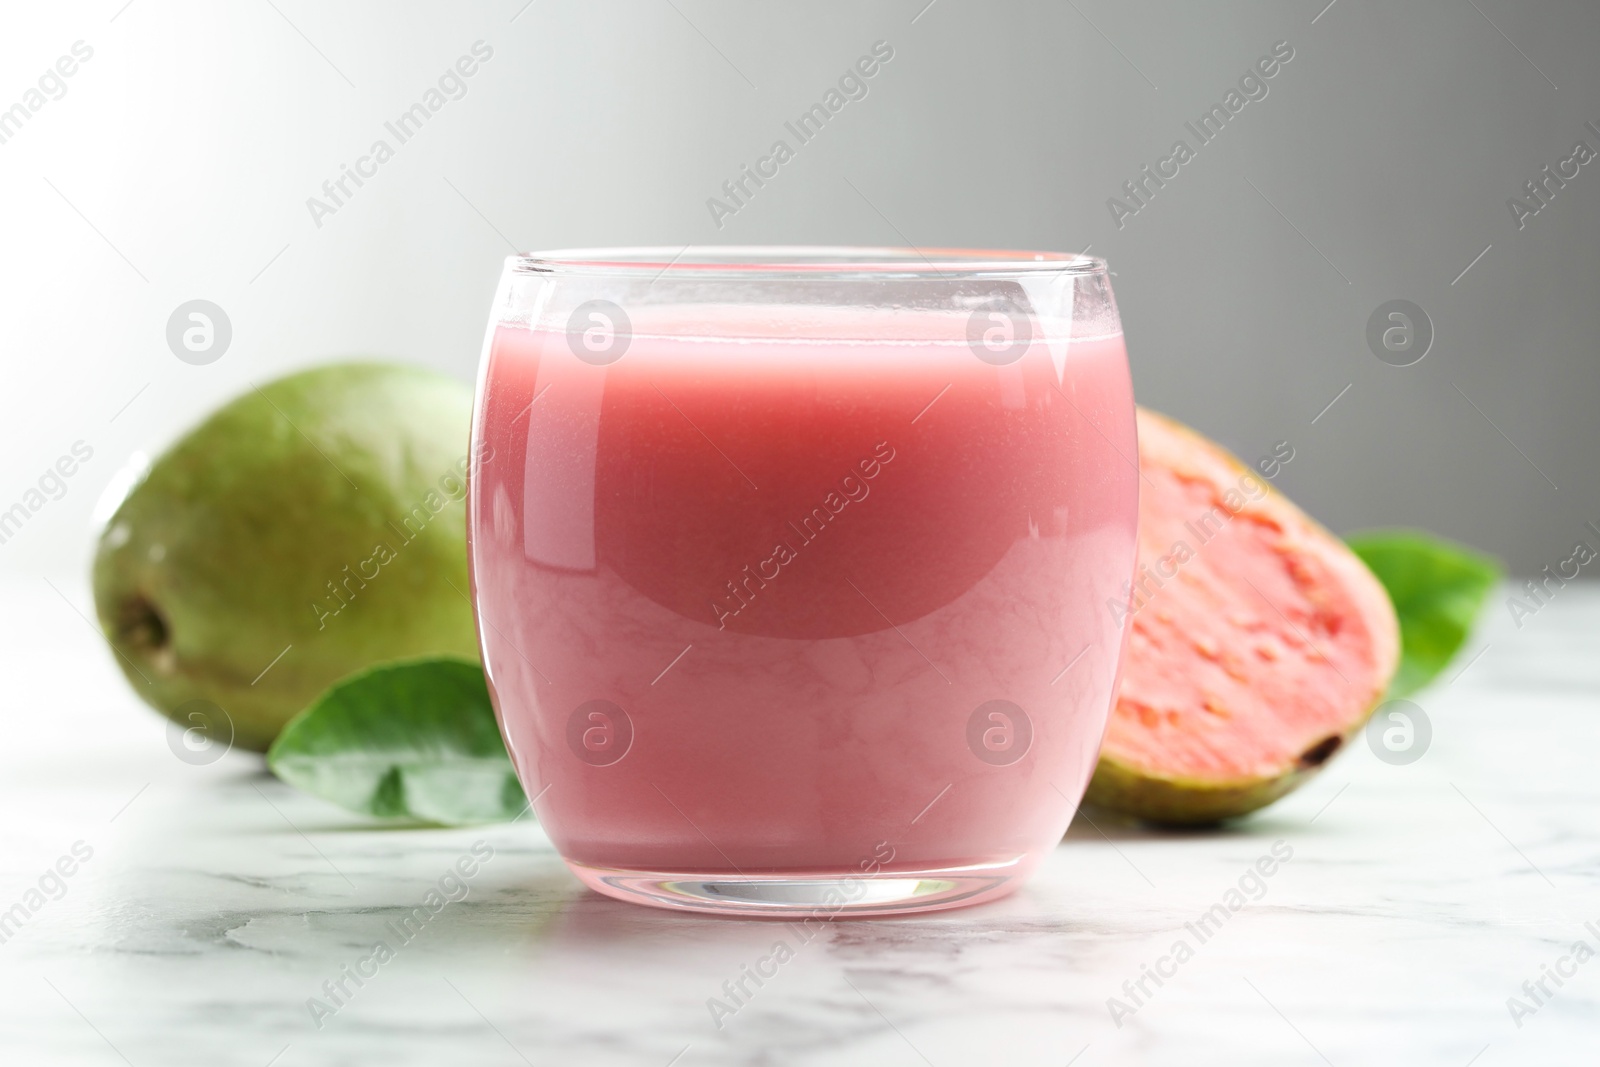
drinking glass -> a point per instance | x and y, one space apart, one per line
797 570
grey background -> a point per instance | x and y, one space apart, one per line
178 164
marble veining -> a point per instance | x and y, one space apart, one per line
217 903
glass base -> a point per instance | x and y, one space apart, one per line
821 895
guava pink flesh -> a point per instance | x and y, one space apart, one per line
1258 641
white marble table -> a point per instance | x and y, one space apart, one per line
217 901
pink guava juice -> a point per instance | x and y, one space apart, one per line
793 594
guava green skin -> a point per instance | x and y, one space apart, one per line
220 558
1173 800
1183 801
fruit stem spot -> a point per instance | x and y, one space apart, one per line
140 625
1319 753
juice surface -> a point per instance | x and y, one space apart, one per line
748 605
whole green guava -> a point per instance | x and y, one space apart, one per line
310 528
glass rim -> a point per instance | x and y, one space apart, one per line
805 261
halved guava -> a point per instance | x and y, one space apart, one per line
1258 643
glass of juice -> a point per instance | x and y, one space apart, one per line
797 570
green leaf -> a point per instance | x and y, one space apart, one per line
414 740
1437 586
